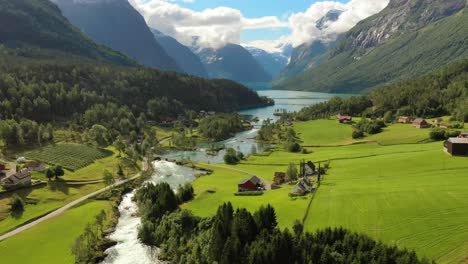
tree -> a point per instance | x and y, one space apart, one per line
58 171
108 178
50 173
98 134
119 144
291 172
231 157
17 204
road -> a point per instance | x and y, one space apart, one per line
63 209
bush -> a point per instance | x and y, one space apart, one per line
293 147
17 204
440 134
231 157
358 134
458 125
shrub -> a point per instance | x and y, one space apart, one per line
231 157
358 134
17 204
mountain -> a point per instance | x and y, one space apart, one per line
273 63
233 62
311 54
115 23
183 56
37 26
408 38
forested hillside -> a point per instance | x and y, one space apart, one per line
406 40
39 24
442 93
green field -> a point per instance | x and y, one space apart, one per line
324 133
69 156
410 195
40 201
50 241
224 184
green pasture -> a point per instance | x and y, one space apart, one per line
50 241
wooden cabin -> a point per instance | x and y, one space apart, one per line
280 178
344 119
19 179
404 119
250 184
456 146
420 123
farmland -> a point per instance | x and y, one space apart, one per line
54 236
69 156
409 195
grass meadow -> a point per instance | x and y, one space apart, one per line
389 187
50 241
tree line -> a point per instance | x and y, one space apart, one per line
238 236
444 92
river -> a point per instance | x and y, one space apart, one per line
128 248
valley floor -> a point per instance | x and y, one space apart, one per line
407 194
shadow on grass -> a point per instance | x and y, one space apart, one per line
59 185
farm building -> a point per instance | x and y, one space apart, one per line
21 178
456 146
303 187
420 123
404 119
251 184
280 178
35 166
463 135
344 119
438 121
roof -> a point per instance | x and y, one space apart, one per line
280 174
403 117
419 120
17 177
254 179
344 117
458 140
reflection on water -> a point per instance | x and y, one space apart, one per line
128 248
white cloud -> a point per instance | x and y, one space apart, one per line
303 24
213 27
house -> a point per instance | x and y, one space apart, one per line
35 166
2 167
344 119
19 179
250 184
437 120
404 119
420 123
463 135
280 178
456 146
303 186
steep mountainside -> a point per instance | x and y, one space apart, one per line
273 63
408 38
117 24
33 24
184 57
233 62
311 54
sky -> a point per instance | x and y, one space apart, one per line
266 24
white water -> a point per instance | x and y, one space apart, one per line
128 248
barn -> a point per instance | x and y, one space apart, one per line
456 146
250 184
420 123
